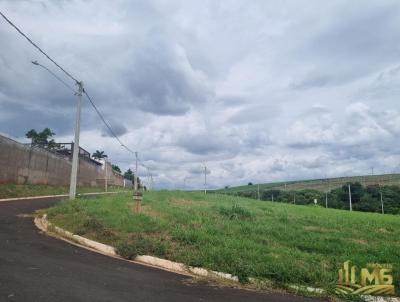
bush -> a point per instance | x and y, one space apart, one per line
235 212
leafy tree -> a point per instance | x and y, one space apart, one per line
116 168
41 138
129 174
250 184
99 155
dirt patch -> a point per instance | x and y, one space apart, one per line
326 264
149 211
316 229
383 230
186 202
275 255
360 241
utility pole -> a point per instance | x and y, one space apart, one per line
272 197
326 194
351 207
258 191
106 179
148 178
380 187
135 179
205 179
326 199
294 197
75 152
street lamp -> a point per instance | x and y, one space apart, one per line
75 152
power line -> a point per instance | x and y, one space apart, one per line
68 86
105 122
38 48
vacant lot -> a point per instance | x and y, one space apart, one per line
277 242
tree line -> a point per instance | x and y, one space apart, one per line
363 198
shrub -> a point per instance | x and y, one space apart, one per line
141 246
235 212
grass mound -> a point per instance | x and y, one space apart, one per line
277 242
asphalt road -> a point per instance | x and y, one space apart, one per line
36 267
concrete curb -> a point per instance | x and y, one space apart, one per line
43 224
60 195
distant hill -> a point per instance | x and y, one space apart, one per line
320 184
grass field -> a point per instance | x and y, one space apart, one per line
319 184
13 191
280 243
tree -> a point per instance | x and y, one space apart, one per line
99 155
250 184
116 168
129 174
41 138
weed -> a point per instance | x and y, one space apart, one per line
235 212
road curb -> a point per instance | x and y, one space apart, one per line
43 224
60 195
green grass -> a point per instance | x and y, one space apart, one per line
13 191
318 184
276 242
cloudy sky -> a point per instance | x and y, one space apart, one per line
258 91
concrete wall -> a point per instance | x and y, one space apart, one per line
20 164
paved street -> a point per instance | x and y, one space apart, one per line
36 267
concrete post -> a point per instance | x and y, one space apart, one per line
137 198
351 206
75 154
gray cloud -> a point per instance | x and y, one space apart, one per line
117 127
205 143
260 91
162 80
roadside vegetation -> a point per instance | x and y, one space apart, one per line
14 191
274 242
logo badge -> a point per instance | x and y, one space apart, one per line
375 279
